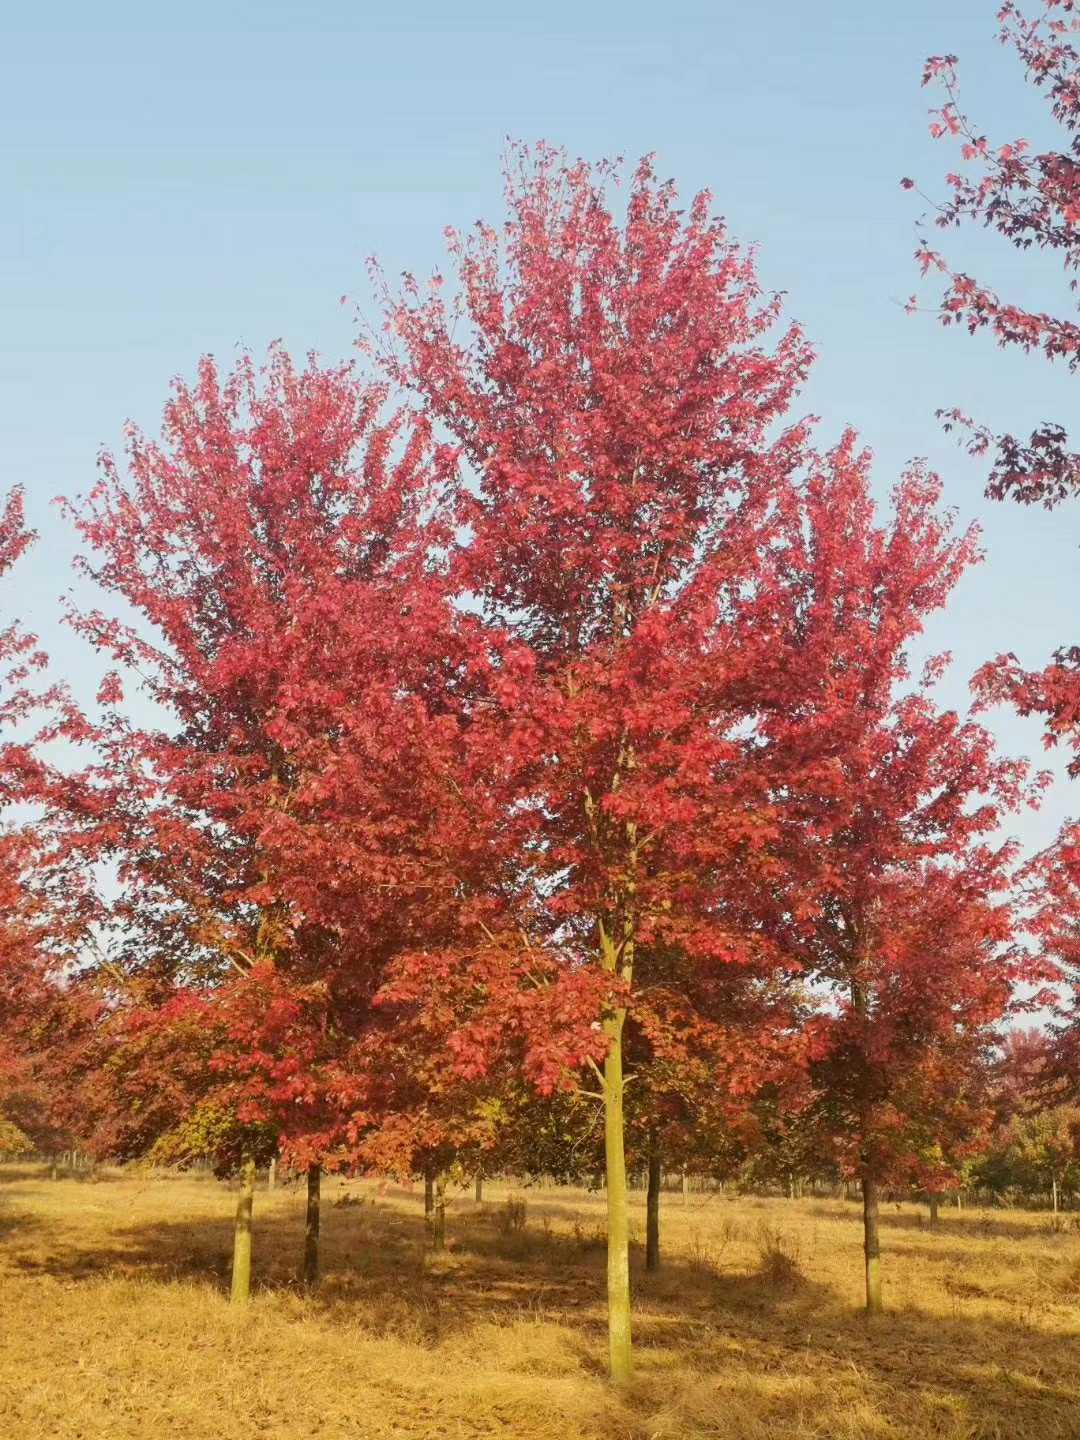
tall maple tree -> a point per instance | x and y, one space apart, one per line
617 400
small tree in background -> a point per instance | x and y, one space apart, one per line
273 549
898 899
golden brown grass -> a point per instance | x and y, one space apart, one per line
115 1321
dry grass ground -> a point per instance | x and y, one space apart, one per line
115 1321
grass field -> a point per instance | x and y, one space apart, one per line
115 1321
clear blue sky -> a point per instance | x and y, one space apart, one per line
181 179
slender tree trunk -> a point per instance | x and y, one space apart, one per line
478 1190
271 1174
241 1266
871 1242
310 1276
1054 1192
617 959
933 1201
871 1245
429 1195
618 1218
438 1220
652 1214
685 1189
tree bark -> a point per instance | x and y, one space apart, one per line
871 1245
429 1195
1054 1192
652 1214
933 1200
271 1174
478 1190
438 1219
310 1275
241 1266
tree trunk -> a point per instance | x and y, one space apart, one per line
271 1174
1054 1192
871 1245
652 1214
618 1237
429 1195
310 1276
478 1190
933 1201
241 1265
438 1219
685 1189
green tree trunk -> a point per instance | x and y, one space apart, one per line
652 1214
310 1274
618 1239
241 1266
871 1245
438 1218
617 959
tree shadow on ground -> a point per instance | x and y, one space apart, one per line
379 1258
25 1173
968 1225
17 1222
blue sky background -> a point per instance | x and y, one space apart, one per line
177 181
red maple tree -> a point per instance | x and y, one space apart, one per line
277 551
898 898
42 905
617 402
